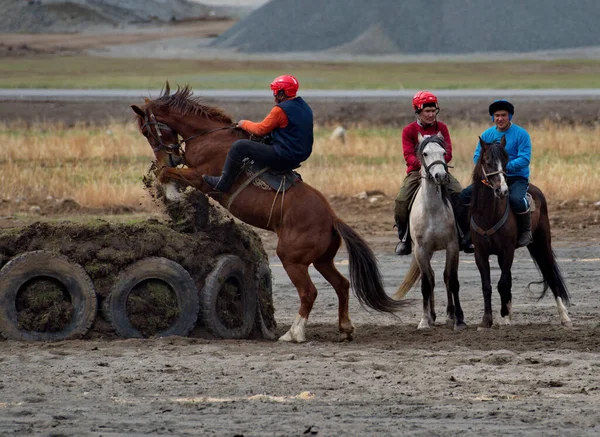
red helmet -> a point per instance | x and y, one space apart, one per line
289 85
422 98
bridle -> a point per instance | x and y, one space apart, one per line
428 172
173 148
486 181
427 168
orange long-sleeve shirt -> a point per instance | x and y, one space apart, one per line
275 119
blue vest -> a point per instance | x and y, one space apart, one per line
295 141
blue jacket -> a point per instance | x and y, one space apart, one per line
295 141
518 147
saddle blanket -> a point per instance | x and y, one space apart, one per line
278 180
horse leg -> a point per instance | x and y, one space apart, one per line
307 291
505 261
169 176
327 268
427 286
483 264
454 310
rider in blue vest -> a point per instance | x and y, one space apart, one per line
518 147
290 125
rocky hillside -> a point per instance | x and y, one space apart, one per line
389 27
40 16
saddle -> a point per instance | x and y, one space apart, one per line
268 179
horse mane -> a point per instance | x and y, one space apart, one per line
183 101
430 139
496 153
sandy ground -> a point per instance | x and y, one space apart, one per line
533 378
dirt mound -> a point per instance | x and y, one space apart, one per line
392 27
38 16
196 235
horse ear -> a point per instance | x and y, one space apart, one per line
167 88
439 134
137 110
420 138
503 141
483 144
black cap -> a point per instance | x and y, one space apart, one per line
502 105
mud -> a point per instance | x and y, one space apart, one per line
532 378
195 235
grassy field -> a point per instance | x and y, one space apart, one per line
96 72
102 167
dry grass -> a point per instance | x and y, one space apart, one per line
102 167
565 160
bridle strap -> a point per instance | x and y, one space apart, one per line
171 148
495 228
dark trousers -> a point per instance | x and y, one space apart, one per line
410 185
517 190
261 153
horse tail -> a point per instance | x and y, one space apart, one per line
545 261
365 276
412 276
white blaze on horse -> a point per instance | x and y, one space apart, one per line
433 228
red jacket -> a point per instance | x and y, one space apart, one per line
410 139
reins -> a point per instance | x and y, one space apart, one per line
486 182
173 147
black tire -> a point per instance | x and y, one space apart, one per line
228 300
43 264
162 269
265 319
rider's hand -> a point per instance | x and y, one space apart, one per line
240 123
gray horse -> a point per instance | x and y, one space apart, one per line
433 228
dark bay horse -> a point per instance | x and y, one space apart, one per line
433 228
308 230
494 232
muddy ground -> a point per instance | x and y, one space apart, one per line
533 378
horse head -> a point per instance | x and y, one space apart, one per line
163 120
430 151
490 169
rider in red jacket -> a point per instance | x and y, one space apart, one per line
426 108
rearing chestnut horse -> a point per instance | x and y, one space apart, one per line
494 232
308 230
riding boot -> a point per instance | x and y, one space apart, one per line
463 229
524 226
404 247
224 182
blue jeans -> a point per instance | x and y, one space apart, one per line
262 153
517 190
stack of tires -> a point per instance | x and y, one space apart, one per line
232 303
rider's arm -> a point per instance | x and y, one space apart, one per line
274 120
408 147
446 134
524 155
477 152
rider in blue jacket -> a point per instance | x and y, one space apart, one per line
518 147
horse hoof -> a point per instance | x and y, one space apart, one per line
288 337
450 322
461 326
568 324
424 325
346 336
484 328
